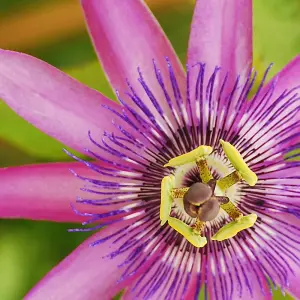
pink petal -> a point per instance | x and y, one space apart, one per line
183 271
283 229
93 272
127 36
45 192
254 291
223 271
86 273
278 185
294 288
165 279
52 101
221 35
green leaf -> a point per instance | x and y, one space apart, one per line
276 31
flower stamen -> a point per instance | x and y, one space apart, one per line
167 185
238 163
179 192
192 235
191 156
198 226
204 170
233 212
199 200
233 228
229 180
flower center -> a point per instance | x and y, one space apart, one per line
202 201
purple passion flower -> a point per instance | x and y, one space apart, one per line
196 186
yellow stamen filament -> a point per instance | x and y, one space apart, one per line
179 192
229 180
198 226
233 212
204 171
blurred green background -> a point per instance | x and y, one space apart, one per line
54 31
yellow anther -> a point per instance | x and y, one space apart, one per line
188 232
167 184
238 163
191 156
231 229
179 192
204 170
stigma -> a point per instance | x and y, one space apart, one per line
203 200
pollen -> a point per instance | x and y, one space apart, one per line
200 200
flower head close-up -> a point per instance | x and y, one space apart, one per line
191 182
